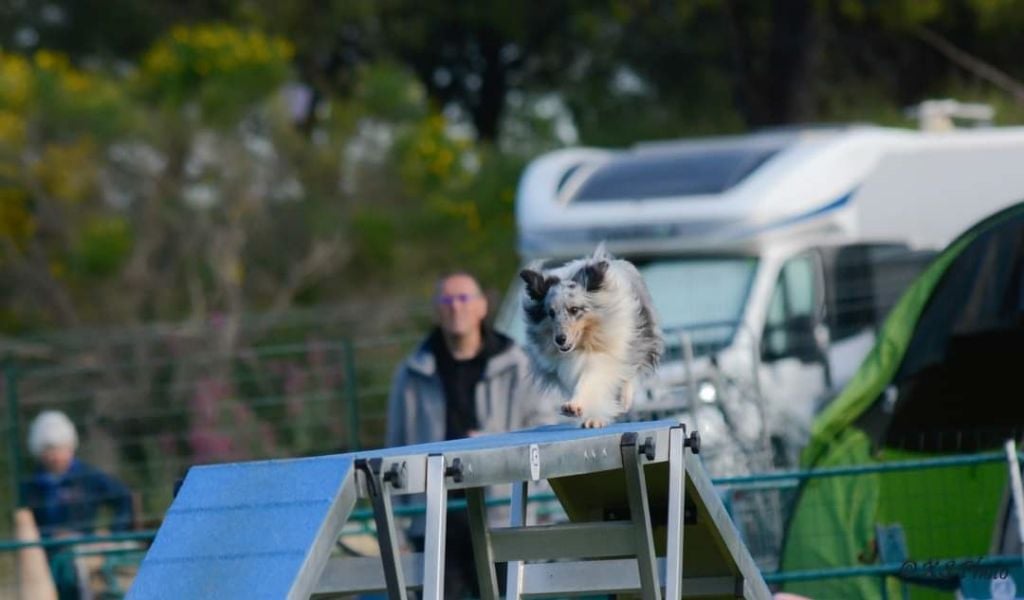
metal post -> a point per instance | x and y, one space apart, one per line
352 393
13 428
686 341
692 402
437 529
387 535
483 554
640 514
1015 487
517 518
755 358
676 513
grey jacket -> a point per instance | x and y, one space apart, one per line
506 398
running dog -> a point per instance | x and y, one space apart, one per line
591 334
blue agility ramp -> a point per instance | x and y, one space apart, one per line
645 520
249 530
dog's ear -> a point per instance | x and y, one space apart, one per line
537 285
591 277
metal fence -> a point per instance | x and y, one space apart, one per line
149 405
916 528
149 418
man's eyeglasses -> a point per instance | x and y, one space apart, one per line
450 299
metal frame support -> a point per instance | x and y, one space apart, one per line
483 554
380 497
1016 487
676 512
436 531
517 518
640 514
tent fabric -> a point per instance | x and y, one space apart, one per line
962 307
881 363
833 524
967 345
945 512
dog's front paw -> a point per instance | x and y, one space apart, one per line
572 409
594 423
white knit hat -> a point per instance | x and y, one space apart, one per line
51 428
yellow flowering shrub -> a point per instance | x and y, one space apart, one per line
64 101
67 172
463 188
431 159
12 129
15 82
224 67
16 222
53 117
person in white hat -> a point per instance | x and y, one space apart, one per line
66 494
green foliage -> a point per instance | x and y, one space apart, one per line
894 13
44 96
463 197
54 119
431 160
861 101
69 102
387 91
488 246
104 245
196 164
221 67
375 241
998 15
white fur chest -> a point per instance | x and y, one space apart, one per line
569 369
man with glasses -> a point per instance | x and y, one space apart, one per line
464 379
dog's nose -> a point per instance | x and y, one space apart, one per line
560 339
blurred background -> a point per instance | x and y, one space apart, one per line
220 221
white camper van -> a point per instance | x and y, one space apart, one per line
771 257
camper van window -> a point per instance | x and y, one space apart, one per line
867 281
853 293
668 174
789 324
702 296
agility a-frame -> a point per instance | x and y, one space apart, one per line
644 519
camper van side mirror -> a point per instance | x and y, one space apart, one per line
802 342
794 339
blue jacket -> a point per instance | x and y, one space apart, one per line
70 502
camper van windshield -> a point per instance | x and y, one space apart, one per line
703 297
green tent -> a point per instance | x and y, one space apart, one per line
944 378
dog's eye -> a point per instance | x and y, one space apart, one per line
574 311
